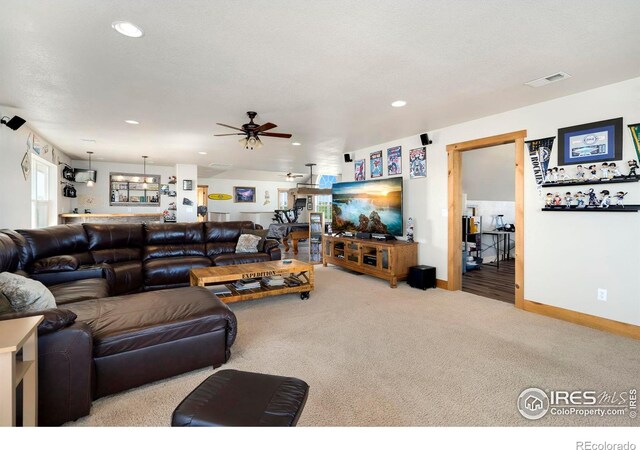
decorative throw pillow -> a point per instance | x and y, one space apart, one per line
5 305
247 243
25 294
261 233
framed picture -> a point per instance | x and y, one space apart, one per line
187 185
394 161
244 194
376 164
590 142
359 170
418 163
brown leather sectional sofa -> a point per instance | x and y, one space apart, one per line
125 316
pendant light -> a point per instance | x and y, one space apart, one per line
144 172
90 183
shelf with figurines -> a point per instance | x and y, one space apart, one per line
588 201
609 174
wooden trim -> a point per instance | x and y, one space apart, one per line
599 323
489 141
519 219
454 270
442 284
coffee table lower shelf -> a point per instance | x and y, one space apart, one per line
228 274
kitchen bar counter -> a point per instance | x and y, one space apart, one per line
111 218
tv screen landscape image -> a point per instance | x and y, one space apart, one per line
373 206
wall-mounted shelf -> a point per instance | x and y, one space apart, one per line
626 208
134 189
589 182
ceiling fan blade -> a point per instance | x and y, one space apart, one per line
230 134
265 127
278 135
229 126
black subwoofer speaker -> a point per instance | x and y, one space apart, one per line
422 277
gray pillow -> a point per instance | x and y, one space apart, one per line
247 243
5 305
261 233
25 294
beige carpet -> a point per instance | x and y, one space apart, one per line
376 356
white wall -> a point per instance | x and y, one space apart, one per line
568 256
225 186
489 173
15 200
187 213
97 198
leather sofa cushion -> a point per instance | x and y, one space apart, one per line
173 250
168 271
131 322
225 231
9 258
116 255
239 258
57 240
219 248
109 236
77 291
60 263
174 233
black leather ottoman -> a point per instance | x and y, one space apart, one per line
231 398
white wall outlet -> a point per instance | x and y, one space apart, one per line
602 295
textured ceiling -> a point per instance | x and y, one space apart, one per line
324 71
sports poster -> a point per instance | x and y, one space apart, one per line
376 164
418 163
394 161
359 170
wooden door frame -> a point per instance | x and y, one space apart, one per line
454 157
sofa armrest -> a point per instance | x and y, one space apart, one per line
54 319
82 273
60 263
65 370
272 248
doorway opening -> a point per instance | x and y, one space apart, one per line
203 201
488 217
456 205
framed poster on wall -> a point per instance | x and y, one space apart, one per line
590 142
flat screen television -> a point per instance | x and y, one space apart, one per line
373 206
84 175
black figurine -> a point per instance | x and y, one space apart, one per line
593 199
633 165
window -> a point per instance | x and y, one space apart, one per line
283 198
44 198
323 202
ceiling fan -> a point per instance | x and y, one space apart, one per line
253 131
291 176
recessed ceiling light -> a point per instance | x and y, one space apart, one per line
296 143
398 103
558 76
202 153
92 141
132 122
127 29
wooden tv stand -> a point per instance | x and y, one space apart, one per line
389 260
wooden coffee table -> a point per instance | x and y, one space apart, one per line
228 274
